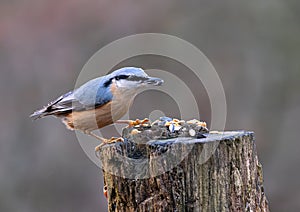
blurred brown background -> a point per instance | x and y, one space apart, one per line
254 46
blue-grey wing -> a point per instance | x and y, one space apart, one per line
90 95
93 93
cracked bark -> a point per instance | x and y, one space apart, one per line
217 173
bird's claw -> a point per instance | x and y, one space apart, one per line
109 141
132 123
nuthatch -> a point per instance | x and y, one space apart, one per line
99 102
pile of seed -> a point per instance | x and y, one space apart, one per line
166 128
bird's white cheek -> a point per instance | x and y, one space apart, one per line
127 84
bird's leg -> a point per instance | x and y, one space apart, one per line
95 136
132 123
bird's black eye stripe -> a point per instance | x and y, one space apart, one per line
121 77
108 82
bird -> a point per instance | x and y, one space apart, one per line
100 102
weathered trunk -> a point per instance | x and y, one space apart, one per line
218 173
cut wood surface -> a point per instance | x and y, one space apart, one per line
218 173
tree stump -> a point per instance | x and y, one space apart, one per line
219 172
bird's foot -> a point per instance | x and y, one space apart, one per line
109 141
133 123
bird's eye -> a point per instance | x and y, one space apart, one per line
121 77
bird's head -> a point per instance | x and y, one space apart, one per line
132 78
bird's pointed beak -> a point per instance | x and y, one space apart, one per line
154 81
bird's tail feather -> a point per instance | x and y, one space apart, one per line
40 113
52 108
48 111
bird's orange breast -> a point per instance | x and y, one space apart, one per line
97 118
